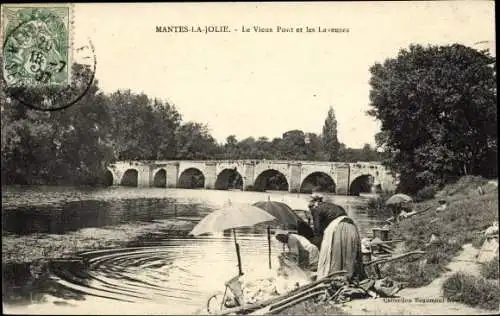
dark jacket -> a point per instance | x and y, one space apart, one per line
324 214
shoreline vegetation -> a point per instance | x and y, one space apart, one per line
35 247
461 223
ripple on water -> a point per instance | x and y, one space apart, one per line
180 271
177 272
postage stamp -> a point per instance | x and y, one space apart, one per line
36 45
45 65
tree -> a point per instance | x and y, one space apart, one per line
142 128
368 153
314 148
248 148
62 147
231 140
437 106
231 149
166 120
330 140
264 147
293 145
195 142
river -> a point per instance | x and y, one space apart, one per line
156 272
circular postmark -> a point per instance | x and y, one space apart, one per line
42 66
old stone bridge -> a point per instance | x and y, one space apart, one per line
294 176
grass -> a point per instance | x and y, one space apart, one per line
490 270
309 307
472 290
478 240
466 216
465 186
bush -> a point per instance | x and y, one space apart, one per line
466 185
413 273
426 193
471 290
478 240
376 206
490 270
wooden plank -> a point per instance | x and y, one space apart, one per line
272 309
394 258
381 242
251 307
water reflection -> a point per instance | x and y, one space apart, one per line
169 271
157 267
74 215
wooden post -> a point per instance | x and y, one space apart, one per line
269 244
240 271
383 235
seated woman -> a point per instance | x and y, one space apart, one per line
303 252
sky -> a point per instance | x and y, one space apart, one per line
261 83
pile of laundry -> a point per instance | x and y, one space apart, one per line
256 289
259 290
257 286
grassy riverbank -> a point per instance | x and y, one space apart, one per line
468 214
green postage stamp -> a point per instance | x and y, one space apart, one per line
36 42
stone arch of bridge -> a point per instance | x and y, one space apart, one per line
110 177
160 178
130 178
363 183
191 178
229 178
271 179
318 180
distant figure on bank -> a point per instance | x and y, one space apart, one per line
397 211
341 245
304 253
442 205
480 190
407 212
401 211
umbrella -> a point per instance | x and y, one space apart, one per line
231 217
398 199
284 215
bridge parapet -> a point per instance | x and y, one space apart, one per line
168 172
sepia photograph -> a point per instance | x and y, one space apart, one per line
253 158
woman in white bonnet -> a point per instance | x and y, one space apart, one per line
304 253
